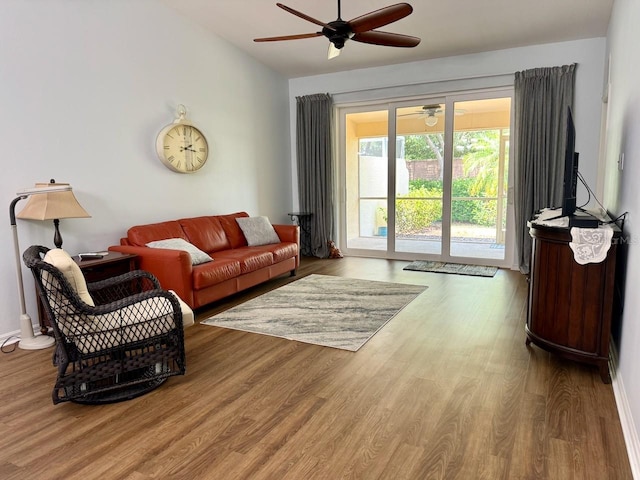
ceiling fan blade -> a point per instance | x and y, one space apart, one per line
333 51
385 38
305 17
288 37
379 18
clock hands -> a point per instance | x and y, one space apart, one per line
187 148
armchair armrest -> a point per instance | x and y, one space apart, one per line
121 286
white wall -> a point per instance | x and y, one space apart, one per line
475 71
623 195
85 86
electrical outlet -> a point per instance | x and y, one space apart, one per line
621 161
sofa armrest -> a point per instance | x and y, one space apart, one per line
172 268
288 233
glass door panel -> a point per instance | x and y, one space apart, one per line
428 179
366 180
479 178
419 180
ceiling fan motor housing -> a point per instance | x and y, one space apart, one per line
340 34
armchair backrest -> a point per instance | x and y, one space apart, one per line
62 289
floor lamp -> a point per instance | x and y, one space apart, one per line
53 201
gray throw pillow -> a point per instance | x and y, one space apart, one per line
257 231
197 255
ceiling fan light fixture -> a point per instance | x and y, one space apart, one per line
431 120
333 51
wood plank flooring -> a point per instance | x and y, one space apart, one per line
446 390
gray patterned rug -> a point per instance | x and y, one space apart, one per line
323 310
457 268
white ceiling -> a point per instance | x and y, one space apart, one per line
446 27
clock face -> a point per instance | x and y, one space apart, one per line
182 148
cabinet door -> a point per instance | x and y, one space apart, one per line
568 300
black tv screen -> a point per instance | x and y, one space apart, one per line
570 182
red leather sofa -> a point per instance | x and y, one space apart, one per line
235 265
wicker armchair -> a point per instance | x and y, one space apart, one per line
118 339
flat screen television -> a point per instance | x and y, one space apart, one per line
570 182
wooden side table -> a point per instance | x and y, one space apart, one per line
94 270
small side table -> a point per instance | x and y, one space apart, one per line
94 270
303 220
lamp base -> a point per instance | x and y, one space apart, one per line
28 341
36 343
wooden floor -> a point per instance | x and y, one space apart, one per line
446 390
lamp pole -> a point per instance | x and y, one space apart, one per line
28 341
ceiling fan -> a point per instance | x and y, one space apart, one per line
429 111
360 29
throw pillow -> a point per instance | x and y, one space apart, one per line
258 231
71 271
197 255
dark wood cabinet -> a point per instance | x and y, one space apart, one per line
94 270
570 305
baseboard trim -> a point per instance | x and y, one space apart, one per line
14 336
624 412
10 337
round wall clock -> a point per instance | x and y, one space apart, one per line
182 147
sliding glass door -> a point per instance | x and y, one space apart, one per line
428 179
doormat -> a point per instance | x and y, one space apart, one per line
455 268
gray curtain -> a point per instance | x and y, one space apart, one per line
315 164
542 96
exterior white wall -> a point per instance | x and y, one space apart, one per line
85 88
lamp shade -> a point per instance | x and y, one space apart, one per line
52 205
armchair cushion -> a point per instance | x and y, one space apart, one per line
197 255
258 231
137 322
71 271
188 318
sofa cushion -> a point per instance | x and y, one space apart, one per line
206 233
197 255
232 229
212 273
140 235
250 258
258 231
280 251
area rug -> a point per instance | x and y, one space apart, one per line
323 310
456 268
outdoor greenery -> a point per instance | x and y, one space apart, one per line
422 206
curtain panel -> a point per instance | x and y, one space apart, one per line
541 97
314 147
